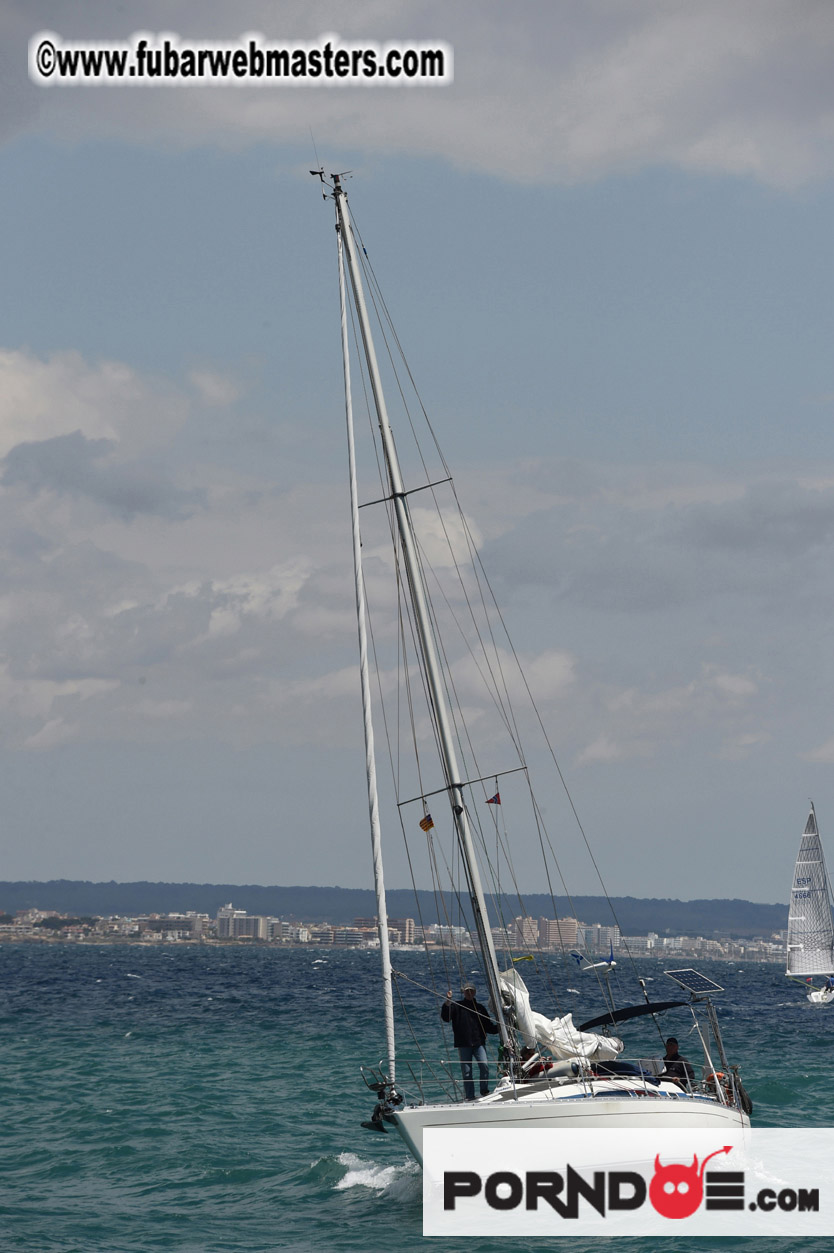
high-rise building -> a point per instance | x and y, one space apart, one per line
405 927
558 932
226 915
525 932
600 940
250 926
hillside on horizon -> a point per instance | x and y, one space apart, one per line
634 916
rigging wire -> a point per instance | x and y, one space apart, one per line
479 564
491 670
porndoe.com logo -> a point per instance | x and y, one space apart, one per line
629 1182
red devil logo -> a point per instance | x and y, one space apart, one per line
676 1191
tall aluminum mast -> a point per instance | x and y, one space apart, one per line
370 757
425 634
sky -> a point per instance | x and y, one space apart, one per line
606 246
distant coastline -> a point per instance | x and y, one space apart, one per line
737 918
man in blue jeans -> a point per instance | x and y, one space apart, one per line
470 1024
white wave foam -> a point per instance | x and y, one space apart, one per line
367 1174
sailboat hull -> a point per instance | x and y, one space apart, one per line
623 1109
821 996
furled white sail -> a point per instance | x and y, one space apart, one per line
810 930
558 1035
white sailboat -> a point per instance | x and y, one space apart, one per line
810 946
551 1072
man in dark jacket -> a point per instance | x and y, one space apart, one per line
676 1066
470 1024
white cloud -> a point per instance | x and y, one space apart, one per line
41 399
740 747
269 595
711 690
163 709
605 749
52 733
549 673
824 753
35 698
733 687
444 543
215 388
163 622
638 722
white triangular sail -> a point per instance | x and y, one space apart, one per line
810 929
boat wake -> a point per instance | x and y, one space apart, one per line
399 1180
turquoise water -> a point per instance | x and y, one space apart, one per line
208 1100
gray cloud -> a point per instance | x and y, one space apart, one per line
780 520
546 93
204 637
610 547
79 466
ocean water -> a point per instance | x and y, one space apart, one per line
208 1099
